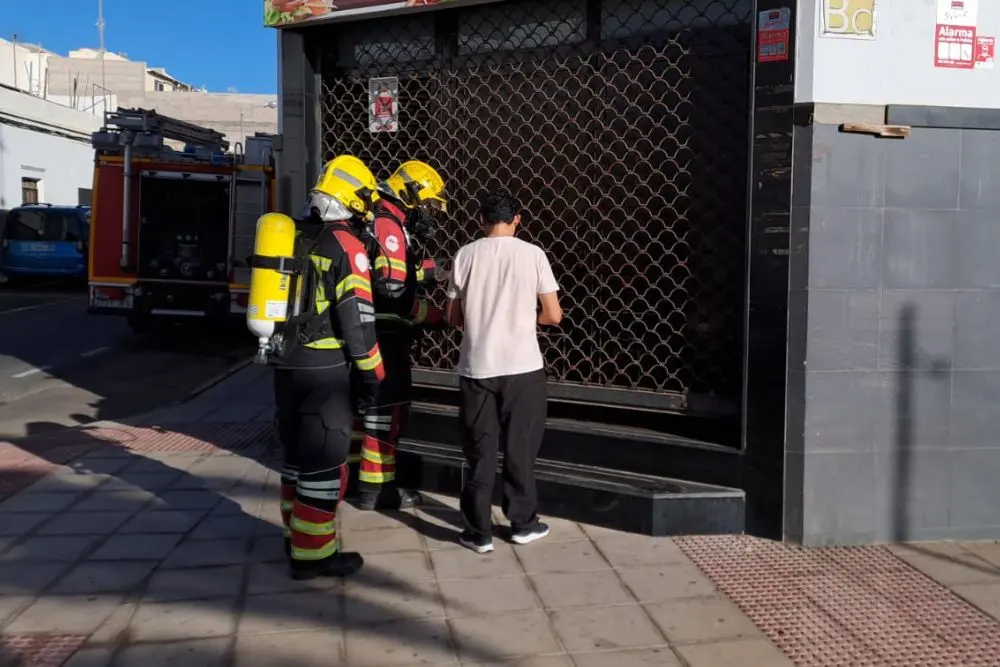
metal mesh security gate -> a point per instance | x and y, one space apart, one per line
622 127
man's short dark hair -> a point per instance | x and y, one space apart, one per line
498 206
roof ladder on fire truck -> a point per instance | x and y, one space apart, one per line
148 121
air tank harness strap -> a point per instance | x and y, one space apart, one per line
289 265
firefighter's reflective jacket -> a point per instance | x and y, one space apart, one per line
343 312
396 273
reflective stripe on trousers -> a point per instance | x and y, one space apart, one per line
313 531
378 446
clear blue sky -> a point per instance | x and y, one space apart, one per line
216 43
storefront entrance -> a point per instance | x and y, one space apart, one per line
623 129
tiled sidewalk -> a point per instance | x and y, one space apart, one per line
159 546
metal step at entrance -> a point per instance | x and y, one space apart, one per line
626 450
588 494
249 201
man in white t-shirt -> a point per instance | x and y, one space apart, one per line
495 288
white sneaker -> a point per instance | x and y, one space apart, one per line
482 545
529 533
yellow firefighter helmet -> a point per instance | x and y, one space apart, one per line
416 183
346 188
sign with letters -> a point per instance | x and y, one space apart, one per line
848 19
773 35
956 44
958 12
986 52
954 47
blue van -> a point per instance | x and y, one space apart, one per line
45 240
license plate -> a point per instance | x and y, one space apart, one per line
108 303
41 247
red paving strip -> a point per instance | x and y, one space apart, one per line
199 436
26 461
38 650
20 468
846 607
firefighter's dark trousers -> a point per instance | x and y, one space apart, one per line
385 419
314 426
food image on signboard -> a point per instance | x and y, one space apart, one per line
277 12
283 12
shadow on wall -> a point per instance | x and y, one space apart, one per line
188 531
910 361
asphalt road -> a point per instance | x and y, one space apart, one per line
60 366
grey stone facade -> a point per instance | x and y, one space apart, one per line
892 426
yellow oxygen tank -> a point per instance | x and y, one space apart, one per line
270 288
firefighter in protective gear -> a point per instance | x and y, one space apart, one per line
404 215
313 382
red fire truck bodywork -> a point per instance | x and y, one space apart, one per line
120 279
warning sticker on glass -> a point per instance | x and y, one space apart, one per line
958 12
275 310
986 52
954 46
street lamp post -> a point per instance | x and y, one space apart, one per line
267 105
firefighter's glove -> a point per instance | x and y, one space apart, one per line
367 392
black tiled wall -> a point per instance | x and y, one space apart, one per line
893 404
768 238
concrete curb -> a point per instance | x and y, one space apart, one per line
211 382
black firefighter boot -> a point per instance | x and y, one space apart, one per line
338 565
387 496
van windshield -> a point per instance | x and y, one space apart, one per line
44 225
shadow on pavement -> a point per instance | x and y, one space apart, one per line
163 557
51 345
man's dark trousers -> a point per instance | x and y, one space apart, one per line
505 412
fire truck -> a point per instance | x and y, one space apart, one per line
173 218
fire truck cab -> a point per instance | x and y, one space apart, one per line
172 228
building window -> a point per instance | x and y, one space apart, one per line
29 190
158 86
25 225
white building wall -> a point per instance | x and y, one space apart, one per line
61 165
83 84
897 67
23 66
45 141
